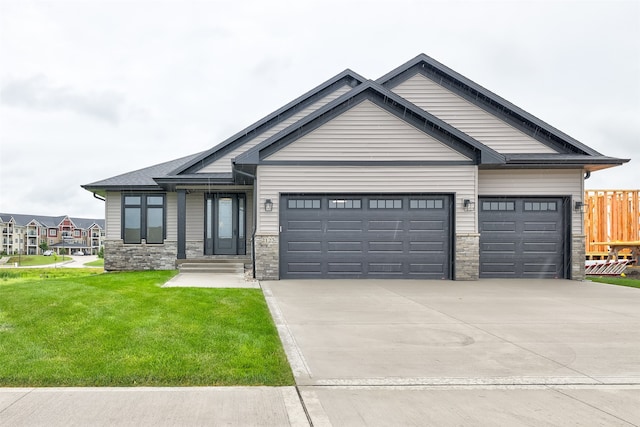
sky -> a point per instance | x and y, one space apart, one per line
94 89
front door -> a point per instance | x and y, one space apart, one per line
225 224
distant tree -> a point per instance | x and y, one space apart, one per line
44 246
101 252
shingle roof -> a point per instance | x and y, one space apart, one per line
51 221
141 177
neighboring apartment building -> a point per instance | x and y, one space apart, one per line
23 234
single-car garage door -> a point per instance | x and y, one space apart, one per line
365 236
522 238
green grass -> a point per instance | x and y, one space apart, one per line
34 260
97 263
123 329
620 281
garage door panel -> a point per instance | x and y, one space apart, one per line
351 225
396 247
351 247
308 247
541 248
499 226
426 247
536 268
383 237
388 268
499 267
417 226
345 267
498 247
521 237
540 227
388 225
304 267
299 225
437 268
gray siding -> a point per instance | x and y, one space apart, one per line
195 216
467 117
274 180
535 182
172 216
224 163
367 132
113 215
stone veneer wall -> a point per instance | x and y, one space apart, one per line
267 257
467 254
578 256
118 256
194 249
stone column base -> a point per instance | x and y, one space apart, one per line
467 256
578 256
267 262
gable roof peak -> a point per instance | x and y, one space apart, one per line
348 76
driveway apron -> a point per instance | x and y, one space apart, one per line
515 352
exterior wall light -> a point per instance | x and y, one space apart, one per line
469 205
268 205
578 206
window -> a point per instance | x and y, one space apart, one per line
345 204
385 204
143 218
53 232
540 206
426 204
76 233
304 204
498 206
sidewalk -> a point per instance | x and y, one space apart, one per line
151 406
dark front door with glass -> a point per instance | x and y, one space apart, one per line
225 224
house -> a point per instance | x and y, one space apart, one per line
23 234
419 174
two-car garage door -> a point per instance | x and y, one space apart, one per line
365 236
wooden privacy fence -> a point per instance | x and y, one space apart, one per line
610 216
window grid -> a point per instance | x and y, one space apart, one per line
385 204
345 204
498 206
303 204
426 204
540 206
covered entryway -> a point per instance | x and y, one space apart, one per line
523 238
225 224
365 236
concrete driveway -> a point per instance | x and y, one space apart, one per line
492 352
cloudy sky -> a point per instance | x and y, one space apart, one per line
93 89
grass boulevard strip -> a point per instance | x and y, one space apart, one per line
83 327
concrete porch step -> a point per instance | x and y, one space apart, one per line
223 267
214 265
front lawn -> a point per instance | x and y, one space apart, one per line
617 280
123 329
97 263
34 260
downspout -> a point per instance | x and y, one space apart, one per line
255 219
98 197
587 175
